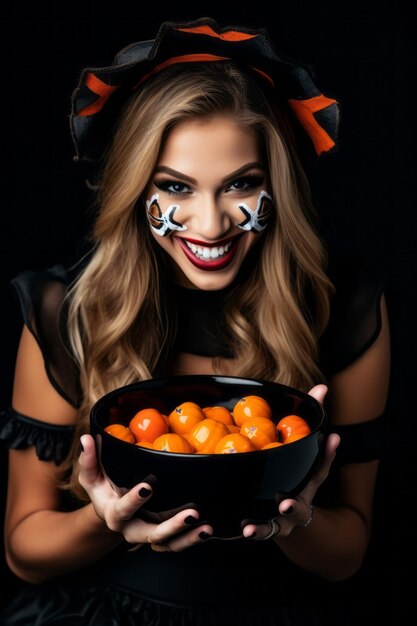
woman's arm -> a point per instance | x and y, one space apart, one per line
40 540
43 541
334 544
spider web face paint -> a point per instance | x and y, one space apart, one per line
163 224
256 220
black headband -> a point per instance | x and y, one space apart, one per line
101 92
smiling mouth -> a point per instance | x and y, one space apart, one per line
209 257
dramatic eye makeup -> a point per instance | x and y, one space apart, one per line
243 180
172 187
246 183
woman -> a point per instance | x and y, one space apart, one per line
204 259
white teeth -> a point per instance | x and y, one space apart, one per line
208 253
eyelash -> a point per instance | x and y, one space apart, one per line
252 182
164 185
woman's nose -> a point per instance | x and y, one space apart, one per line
210 219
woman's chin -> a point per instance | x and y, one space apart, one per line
207 281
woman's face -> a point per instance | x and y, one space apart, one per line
208 200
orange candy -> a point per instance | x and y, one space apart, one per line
144 444
292 425
171 442
274 444
260 430
251 406
219 413
147 425
182 419
294 437
121 432
190 429
233 443
205 435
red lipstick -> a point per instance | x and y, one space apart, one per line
215 264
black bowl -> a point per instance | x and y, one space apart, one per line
225 488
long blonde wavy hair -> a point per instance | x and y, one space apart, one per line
120 326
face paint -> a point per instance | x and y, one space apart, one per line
162 224
256 220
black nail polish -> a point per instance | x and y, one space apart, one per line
204 536
190 520
144 493
289 510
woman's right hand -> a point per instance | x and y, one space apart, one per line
179 532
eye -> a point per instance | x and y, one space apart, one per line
246 183
172 187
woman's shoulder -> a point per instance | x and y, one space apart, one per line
41 296
40 292
41 285
355 316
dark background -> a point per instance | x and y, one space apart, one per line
364 54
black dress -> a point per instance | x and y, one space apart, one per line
217 583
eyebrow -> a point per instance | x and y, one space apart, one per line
189 179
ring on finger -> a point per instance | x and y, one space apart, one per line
160 547
274 529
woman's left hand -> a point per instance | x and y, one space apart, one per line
297 512
170 531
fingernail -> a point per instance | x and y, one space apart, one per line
190 520
82 447
251 535
288 511
204 536
144 493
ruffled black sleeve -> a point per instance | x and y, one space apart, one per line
52 442
43 307
41 296
355 320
